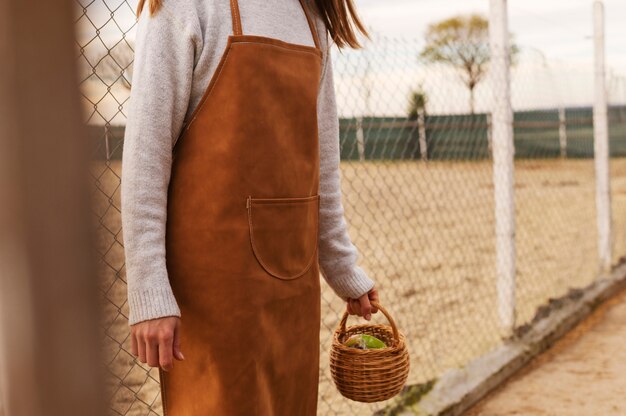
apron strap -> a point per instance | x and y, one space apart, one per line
234 11
236 16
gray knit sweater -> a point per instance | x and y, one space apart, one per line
176 52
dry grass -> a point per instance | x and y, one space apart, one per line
426 236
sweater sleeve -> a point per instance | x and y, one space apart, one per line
337 253
161 84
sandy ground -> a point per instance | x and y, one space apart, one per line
425 233
584 373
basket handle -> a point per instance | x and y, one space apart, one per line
342 324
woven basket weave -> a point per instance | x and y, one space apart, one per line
369 375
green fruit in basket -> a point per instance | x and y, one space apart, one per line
364 342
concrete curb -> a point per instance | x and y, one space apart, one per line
460 388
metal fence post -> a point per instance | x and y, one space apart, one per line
601 142
421 122
489 134
106 142
562 132
503 152
360 138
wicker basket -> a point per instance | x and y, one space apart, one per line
369 375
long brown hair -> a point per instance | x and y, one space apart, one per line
153 6
340 17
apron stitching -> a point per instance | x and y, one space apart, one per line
209 92
290 49
317 237
255 250
274 41
287 201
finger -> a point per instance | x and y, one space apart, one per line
356 306
165 353
374 297
141 349
373 309
152 354
133 344
178 354
366 307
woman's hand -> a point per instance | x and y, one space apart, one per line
156 341
362 305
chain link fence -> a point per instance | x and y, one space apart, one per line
417 182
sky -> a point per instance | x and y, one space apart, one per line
561 29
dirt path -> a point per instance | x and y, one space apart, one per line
584 373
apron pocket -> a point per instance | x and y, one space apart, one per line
284 234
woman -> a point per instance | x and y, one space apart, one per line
231 203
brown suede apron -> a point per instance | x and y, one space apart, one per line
242 235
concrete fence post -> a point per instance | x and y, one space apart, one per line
503 154
601 143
